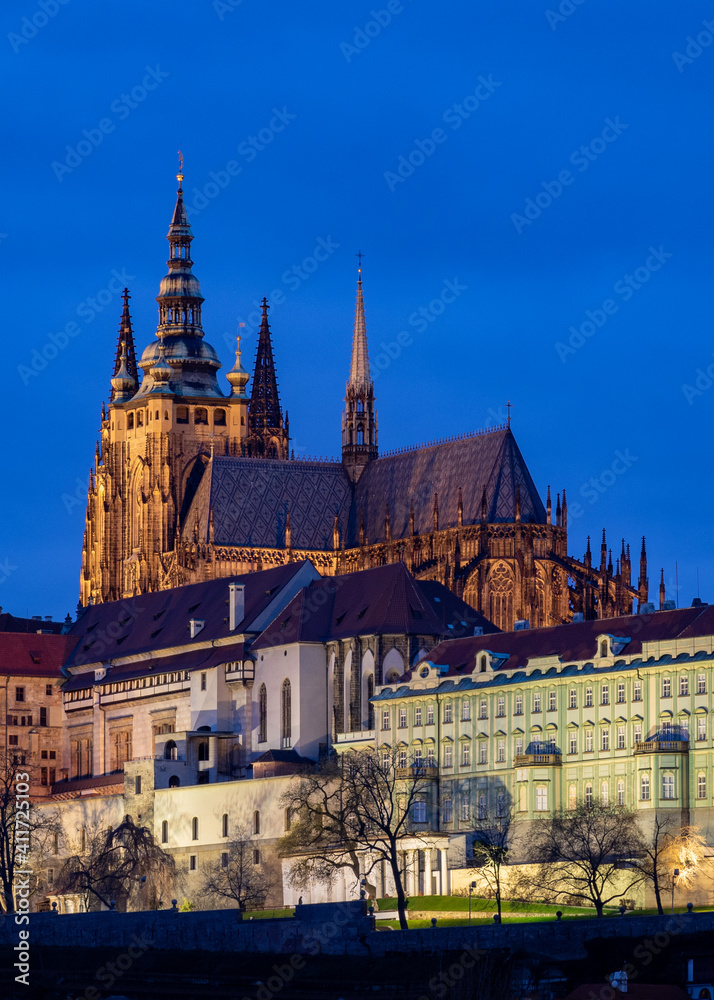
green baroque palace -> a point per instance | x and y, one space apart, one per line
614 711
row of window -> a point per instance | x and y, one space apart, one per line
20 692
193 860
141 682
537 702
26 720
200 417
224 825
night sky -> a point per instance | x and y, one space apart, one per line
531 187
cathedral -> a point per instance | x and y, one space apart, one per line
193 481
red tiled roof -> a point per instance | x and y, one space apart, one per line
386 600
577 640
160 620
29 655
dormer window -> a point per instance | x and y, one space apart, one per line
603 648
483 664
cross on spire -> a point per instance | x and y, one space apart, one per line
509 407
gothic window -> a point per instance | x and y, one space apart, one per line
262 714
370 706
500 585
360 434
201 415
286 713
219 418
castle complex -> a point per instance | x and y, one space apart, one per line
192 482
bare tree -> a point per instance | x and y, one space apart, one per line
586 853
239 876
491 846
353 812
109 865
670 847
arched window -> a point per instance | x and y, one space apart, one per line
285 713
224 825
370 706
219 418
165 832
174 782
262 714
500 586
256 821
181 414
203 750
130 421
194 828
170 750
139 418
483 665
603 647
201 415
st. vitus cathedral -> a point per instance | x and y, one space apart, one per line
192 482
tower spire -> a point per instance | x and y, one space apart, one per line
267 433
126 337
359 422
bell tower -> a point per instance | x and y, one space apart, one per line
359 420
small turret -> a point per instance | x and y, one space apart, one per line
662 593
123 385
238 376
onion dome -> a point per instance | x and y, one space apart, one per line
161 372
238 376
124 385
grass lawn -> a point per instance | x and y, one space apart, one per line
434 904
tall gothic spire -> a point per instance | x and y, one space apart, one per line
126 337
267 431
359 421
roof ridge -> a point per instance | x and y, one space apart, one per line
449 439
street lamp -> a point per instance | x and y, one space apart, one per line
471 889
675 876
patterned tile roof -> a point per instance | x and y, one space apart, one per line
492 460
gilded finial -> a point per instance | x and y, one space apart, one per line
179 175
359 255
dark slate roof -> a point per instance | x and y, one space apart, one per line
283 757
575 641
9 623
250 498
34 655
199 659
386 600
492 460
160 621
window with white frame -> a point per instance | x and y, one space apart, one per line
419 811
645 787
465 754
637 691
448 810
541 798
620 737
701 786
666 687
573 698
402 718
483 752
519 746
637 732
605 793
588 697
385 719
588 794
501 706
605 692
402 758
620 792
501 750
430 757
605 738
483 709
683 685
701 727
482 806
430 715
386 761
621 693
536 701
552 701
418 758
465 809
518 707
667 786
417 715
588 741
572 742
701 684
448 756
465 710
447 711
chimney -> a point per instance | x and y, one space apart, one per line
236 604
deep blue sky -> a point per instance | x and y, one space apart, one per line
552 88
